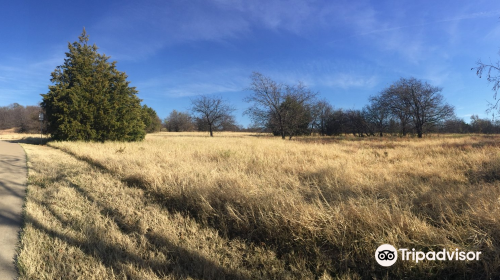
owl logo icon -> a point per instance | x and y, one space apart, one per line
386 255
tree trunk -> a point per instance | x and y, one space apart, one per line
419 130
211 133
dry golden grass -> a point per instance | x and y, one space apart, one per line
223 134
239 206
13 136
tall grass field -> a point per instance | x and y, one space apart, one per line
243 206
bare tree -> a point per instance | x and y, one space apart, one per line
356 123
296 116
492 71
23 119
377 115
276 105
420 101
213 111
227 123
392 99
320 114
178 121
455 125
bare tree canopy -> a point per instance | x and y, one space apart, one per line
420 101
213 111
281 108
23 119
320 114
377 115
178 121
492 71
392 99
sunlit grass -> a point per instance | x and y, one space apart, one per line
259 207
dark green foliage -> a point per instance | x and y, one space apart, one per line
91 100
150 119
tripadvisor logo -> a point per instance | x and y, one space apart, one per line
386 255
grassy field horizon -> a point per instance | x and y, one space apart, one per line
236 206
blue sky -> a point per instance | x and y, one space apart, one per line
175 50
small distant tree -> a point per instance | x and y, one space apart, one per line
178 121
4 118
211 111
479 125
22 119
417 101
150 119
455 125
320 113
91 100
393 99
228 123
297 117
28 120
277 106
377 115
336 122
355 123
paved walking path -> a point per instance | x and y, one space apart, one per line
13 173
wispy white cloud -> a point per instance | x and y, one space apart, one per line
197 80
389 31
493 35
348 81
367 22
146 29
138 31
194 89
291 15
337 73
438 74
220 79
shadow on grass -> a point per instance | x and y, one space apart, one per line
30 140
488 172
322 255
182 262
228 228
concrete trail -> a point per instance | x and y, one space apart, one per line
13 173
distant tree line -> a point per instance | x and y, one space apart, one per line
407 107
187 121
476 125
22 119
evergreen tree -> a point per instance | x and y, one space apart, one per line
150 119
91 100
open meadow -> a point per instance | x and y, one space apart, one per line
244 206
